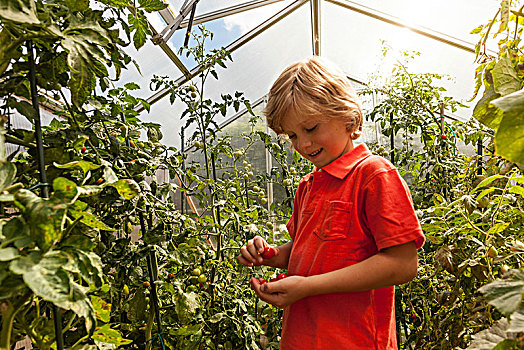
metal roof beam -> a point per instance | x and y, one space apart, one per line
315 26
228 11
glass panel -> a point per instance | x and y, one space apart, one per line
254 68
151 60
451 17
358 52
227 29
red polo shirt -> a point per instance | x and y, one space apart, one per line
343 214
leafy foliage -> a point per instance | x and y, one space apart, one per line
500 107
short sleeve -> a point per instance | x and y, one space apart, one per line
388 211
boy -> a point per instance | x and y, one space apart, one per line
354 231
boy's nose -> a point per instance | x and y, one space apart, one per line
303 144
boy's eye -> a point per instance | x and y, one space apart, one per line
311 129
291 136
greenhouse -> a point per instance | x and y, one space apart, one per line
261 174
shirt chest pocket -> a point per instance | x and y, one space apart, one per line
336 222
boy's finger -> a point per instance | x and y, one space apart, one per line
271 288
243 261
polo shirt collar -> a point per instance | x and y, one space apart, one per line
342 166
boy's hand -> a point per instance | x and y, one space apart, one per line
251 253
281 293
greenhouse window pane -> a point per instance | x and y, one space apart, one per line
358 52
451 17
255 66
227 29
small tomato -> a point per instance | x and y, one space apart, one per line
268 252
281 276
83 149
146 284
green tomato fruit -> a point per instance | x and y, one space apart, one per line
202 278
483 202
196 272
492 252
256 189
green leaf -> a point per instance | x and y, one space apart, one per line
84 165
16 230
64 190
484 112
186 306
132 86
79 59
77 5
127 188
505 79
46 217
505 295
152 5
517 190
24 108
90 220
90 266
517 321
485 192
187 330
102 309
78 241
140 25
7 175
20 11
109 174
498 227
509 138
504 15
8 254
44 275
106 334
489 338
488 180
89 190
8 49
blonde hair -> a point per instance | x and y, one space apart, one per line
315 88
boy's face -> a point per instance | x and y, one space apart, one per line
317 140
